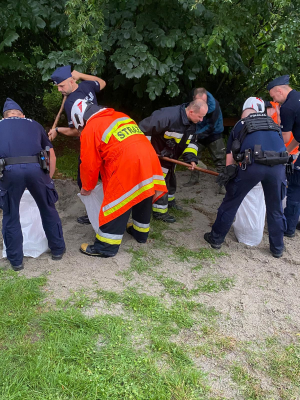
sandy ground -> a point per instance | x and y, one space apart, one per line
263 302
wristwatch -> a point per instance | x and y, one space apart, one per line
57 131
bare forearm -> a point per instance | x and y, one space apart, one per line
229 159
85 77
69 131
52 163
65 131
292 145
286 137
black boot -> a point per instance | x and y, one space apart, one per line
164 217
194 179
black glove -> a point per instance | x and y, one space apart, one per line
230 172
168 151
289 167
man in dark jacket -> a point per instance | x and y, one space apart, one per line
171 131
209 133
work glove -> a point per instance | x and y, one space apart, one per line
168 151
229 172
289 166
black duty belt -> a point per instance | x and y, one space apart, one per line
21 160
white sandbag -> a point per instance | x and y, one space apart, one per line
93 204
250 217
284 203
35 242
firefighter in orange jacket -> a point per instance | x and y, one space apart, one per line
274 112
113 144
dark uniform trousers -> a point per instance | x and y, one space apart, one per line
110 235
274 185
15 180
292 210
162 204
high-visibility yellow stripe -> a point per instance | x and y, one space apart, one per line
127 130
159 210
190 150
171 198
177 140
109 241
114 127
137 228
126 201
156 182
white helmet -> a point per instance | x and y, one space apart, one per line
77 113
256 103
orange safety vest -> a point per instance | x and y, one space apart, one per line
113 144
274 116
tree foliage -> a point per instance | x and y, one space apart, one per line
153 52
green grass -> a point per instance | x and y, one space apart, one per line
142 261
189 201
52 353
156 233
67 164
61 354
179 214
182 254
249 385
205 284
215 346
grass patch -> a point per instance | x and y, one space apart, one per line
67 164
182 254
189 201
174 287
76 357
141 262
197 267
110 297
205 284
214 284
156 233
18 300
179 214
216 346
280 362
249 385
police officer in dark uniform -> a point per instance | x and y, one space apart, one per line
171 131
65 80
289 99
257 146
21 161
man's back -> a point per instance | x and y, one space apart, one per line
21 137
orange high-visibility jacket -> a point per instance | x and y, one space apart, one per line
275 119
113 144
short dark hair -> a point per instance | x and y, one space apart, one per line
199 91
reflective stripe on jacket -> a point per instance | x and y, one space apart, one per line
171 123
113 144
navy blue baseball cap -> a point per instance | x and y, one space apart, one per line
61 74
11 105
281 80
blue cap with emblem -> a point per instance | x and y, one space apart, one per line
61 74
11 105
281 80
